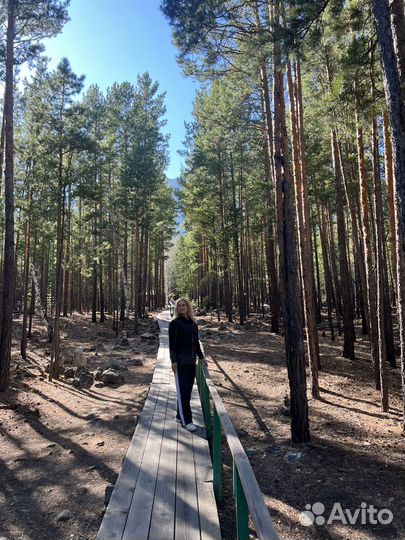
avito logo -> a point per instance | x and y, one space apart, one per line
366 514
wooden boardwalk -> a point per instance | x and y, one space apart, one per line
165 487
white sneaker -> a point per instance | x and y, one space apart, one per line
178 420
191 427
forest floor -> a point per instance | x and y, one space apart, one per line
60 446
356 452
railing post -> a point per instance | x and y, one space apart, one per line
217 457
205 401
198 375
242 511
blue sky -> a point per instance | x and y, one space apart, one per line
114 40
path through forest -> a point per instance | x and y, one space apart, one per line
61 446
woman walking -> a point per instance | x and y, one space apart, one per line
184 346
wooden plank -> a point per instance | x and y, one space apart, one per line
198 417
164 505
202 457
115 516
138 521
162 373
162 377
258 510
207 508
187 520
207 511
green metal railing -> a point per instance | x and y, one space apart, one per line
248 497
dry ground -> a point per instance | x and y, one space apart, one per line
61 446
356 453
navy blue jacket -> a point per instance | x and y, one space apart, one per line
184 344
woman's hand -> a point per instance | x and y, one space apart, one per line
174 367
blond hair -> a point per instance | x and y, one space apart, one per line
190 310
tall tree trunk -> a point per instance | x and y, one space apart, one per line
380 268
388 323
45 280
326 268
123 263
318 291
2 141
9 268
27 241
115 286
66 290
393 80
268 164
145 268
371 297
55 354
352 194
225 251
40 308
346 286
217 281
336 292
101 254
241 299
31 311
110 301
389 179
304 231
309 264
60 227
132 272
94 295
136 275
398 33
102 307
124 289
288 259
